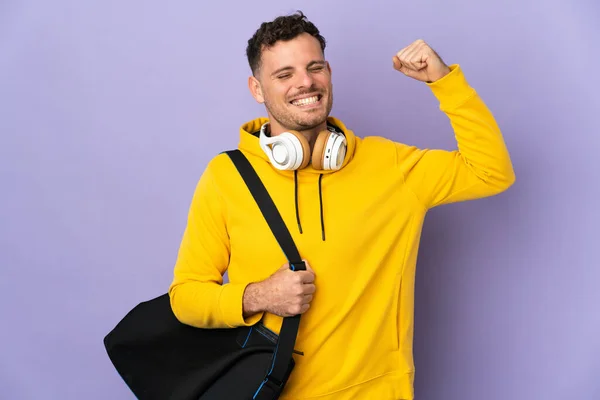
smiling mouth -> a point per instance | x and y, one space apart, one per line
307 101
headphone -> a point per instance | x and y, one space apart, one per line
290 150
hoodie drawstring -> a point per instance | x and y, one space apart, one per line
321 208
296 200
320 204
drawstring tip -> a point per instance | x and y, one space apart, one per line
323 235
300 228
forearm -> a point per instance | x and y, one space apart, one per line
210 304
253 300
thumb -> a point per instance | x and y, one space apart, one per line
284 267
397 64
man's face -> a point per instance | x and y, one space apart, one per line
294 82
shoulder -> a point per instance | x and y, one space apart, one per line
222 170
377 143
382 152
216 170
378 148
219 166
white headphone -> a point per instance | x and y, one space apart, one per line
290 150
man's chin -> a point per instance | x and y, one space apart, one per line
312 122
308 125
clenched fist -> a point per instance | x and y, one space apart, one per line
420 62
285 293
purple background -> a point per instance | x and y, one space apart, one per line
109 112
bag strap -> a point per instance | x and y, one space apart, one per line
289 329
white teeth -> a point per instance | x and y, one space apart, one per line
306 101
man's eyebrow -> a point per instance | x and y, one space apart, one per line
281 70
311 64
321 63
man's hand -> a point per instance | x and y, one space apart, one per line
420 62
285 293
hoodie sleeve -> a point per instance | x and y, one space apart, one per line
481 165
197 293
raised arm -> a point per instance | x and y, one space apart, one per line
481 165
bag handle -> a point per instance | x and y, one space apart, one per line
289 329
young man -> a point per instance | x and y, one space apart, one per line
355 207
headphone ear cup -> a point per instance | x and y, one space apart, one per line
305 149
318 155
287 151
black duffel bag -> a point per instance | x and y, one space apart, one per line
160 358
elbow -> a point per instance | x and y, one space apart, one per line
186 305
176 308
509 174
506 180
511 179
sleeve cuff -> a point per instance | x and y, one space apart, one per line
231 304
453 89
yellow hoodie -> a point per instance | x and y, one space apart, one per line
357 336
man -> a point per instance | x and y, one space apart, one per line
355 207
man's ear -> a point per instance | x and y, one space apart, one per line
255 89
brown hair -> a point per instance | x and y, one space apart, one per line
281 28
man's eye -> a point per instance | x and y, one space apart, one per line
316 69
284 76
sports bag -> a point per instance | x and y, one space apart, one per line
159 357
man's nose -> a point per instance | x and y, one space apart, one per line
305 80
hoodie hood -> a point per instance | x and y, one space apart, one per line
249 142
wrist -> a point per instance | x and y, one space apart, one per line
252 302
445 70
